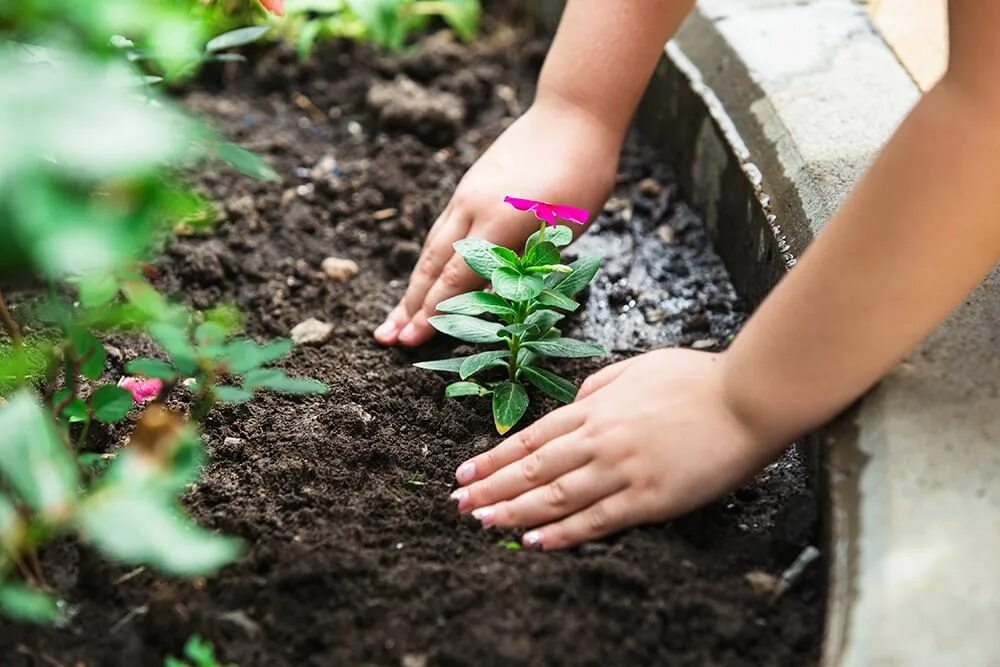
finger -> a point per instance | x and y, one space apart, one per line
562 497
602 378
549 462
606 516
558 422
436 252
455 278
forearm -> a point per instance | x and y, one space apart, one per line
604 54
918 233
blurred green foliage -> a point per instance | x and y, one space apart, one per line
90 157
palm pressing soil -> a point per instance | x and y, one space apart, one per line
355 554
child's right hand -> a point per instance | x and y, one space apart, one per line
555 152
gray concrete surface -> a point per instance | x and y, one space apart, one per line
772 109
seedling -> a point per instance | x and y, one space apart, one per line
530 294
197 653
388 23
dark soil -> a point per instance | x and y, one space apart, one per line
355 554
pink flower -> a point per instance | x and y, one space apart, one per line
276 7
142 390
547 212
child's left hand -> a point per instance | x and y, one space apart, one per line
646 440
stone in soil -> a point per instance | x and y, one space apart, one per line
311 331
339 269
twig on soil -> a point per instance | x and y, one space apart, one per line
130 575
47 659
794 572
127 618
10 325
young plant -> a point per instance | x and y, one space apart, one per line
197 653
530 294
203 356
388 23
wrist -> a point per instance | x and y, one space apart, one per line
596 121
769 427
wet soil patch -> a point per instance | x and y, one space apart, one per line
355 554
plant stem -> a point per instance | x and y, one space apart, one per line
9 324
72 370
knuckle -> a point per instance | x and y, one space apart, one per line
556 494
597 520
531 467
427 264
529 440
452 275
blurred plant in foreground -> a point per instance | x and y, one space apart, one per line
89 187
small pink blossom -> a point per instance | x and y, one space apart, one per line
547 212
276 7
142 390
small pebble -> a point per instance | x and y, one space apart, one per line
325 169
233 442
339 269
311 331
650 187
704 344
666 234
762 583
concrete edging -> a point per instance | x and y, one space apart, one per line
777 107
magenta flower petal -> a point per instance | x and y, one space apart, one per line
521 204
572 213
547 212
143 390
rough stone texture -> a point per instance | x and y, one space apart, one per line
778 106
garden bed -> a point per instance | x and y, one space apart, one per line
355 554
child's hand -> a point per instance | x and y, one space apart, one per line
647 439
554 153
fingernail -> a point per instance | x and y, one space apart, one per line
460 495
485 516
386 329
409 332
532 538
466 472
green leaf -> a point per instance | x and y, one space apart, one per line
75 411
33 458
526 357
550 383
234 38
456 389
543 320
584 270
478 254
23 362
476 303
151 368
463 17
567 348
246 161
467 328
27 604
209 333
89 351
276 380
506 256
558 236
443 365
510 401
97 289
243 354
542 254
178 346
110 403
229 394
516 329
142 525
146 299
480 362
514 285
554 299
